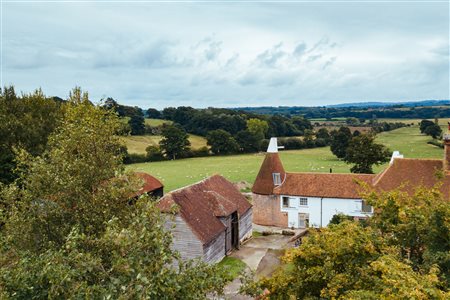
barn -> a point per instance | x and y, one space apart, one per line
150 186
207 219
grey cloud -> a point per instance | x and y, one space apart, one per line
271 56
300 49
329 62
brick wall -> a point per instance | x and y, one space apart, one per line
266 211
447 155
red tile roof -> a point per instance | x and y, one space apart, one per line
264 181
202 203
410 173
150 183
323 185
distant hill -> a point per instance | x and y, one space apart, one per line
425 109
388 104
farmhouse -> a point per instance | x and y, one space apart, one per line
301 200
210 219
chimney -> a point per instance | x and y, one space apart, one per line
446 139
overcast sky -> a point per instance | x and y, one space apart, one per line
229 54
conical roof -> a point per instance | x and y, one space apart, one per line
264 181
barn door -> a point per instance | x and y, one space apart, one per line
235 230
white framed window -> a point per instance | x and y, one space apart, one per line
285 201
304 201
276 178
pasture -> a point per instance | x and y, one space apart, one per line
245 167
138 143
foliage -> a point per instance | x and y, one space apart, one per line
339 218
221 142
69 231
257 127
153 113
418 224
154 153
402 252
363 152
434 131
27 121
175 142
137 124
248 142
323 133
339 141
424 124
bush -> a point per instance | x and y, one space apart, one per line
201 152
154 153
134 158
320 142
436 143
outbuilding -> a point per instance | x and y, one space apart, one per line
208 219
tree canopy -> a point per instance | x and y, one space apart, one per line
69 231
364 152
175 142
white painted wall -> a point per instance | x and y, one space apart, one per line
321 210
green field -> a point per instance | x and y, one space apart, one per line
156 122
179 173
138 143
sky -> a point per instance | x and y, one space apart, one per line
228 53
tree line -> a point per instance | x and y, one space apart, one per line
329 113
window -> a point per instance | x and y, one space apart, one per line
366 208
285 201
276 178
304 201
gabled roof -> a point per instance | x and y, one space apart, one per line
409 173
150 183
201 204
323 185
264 181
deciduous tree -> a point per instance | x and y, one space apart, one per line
363 152
175 142
221 142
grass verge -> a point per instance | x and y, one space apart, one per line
232 266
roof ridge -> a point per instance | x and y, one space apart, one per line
324 173
194 184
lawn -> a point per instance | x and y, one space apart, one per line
138 143
245 167
232 266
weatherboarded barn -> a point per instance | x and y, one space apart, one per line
211 218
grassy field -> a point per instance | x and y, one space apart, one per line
138 143
179 173
156 122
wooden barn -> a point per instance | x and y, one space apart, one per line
211 218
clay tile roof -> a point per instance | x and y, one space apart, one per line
410 173
264 181
202 203
150 183
329 185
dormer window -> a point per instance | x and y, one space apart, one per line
276 178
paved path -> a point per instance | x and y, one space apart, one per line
262 256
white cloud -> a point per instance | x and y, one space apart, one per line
170 54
